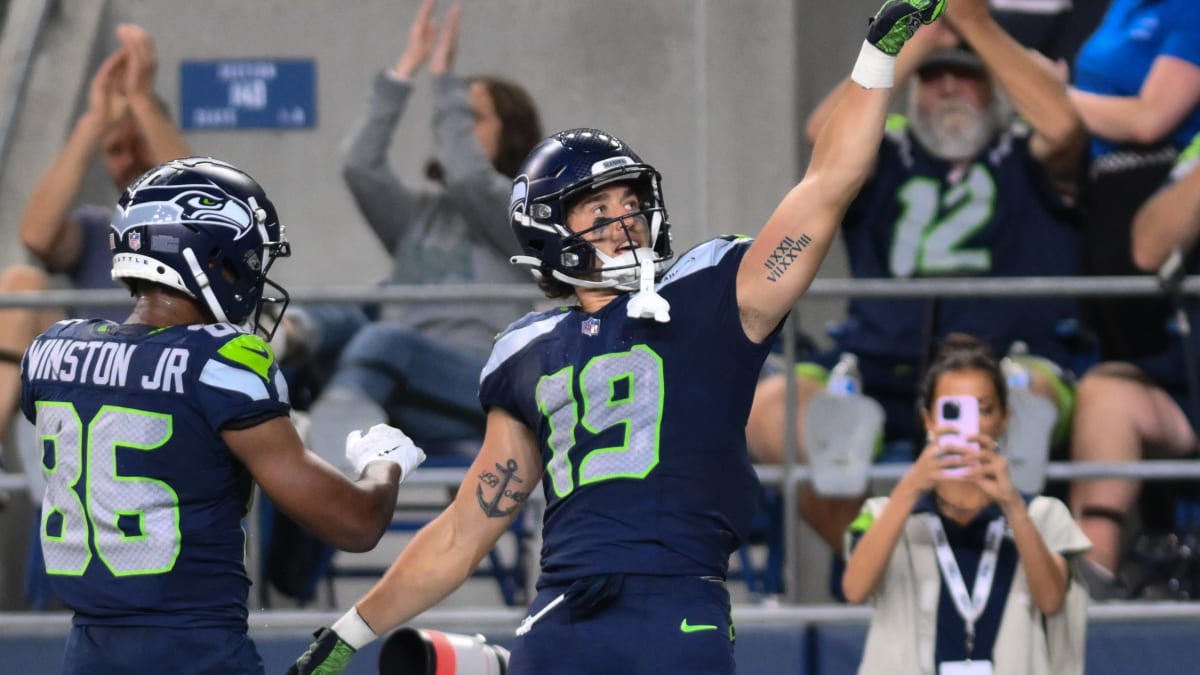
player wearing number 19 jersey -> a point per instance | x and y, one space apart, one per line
620 405
629 408
154 431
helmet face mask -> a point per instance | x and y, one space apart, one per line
204 228
558 173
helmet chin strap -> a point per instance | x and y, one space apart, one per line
201 278
623 271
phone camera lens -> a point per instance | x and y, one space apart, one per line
950 410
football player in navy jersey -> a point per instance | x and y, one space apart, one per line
630 406
155 430
956 189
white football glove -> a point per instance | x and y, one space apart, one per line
383 442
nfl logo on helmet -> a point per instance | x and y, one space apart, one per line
135 240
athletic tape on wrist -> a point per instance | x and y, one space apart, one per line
874 69
353 630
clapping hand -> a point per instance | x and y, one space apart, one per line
426 43
142 62
105 101
446 48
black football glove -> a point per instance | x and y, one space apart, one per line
897 21
327 655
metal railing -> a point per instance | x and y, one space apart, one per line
790 474
946 287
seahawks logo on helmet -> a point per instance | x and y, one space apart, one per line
520 195
200 204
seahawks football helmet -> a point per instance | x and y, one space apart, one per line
557 173
203 227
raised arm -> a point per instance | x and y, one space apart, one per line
47 230
443 554
1038 96
785 257
163 138
1171 218
1045 570
868 558
478 190
385 202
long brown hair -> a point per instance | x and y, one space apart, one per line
960 351
520 126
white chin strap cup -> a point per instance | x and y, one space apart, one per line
647 303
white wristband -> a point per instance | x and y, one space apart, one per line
874 69
353 630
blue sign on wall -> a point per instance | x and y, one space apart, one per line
248 94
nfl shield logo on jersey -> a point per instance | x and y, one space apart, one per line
135 240
591 327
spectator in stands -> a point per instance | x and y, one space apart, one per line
128 127
1136 86
1127 411
958 189
420 365
959 565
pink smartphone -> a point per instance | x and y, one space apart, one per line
962 413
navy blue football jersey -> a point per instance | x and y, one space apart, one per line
919 217
641 424
141 520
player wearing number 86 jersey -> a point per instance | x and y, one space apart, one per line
154 432
141 522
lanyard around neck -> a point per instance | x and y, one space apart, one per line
970 606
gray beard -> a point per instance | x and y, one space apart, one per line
957 143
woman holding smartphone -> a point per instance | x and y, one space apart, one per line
967 575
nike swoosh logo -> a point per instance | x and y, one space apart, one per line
261 352
686 627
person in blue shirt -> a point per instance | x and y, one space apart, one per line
957 188
630 406
1137 77
1137 88
155 430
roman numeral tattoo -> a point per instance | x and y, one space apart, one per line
784 255
500 483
